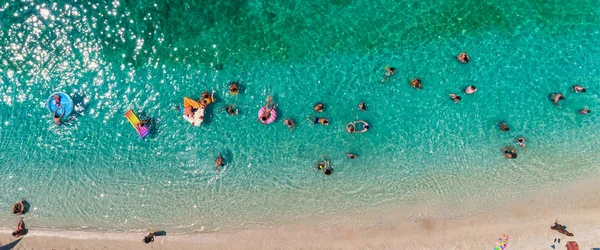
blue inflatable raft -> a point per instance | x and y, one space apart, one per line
62 99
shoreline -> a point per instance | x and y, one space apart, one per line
526 221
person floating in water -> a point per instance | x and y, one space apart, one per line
351 156
578 89
219 162
57 100
561 229
520 141
142 124
503 127
149 238
19 207
463 57
205 99
20 229
319 107
290 123
556 97
389 72
58 118
234 88
324 165
584 111
351 127
230 109
362 106
455 98
470 90
416 83
319 120
509 152
268 107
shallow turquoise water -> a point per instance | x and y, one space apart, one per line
96 173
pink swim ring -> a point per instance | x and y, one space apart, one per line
271 118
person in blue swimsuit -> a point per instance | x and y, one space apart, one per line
319 120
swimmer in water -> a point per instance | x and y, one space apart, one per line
231 110
578 89
350 127
520 141
416 83
503 127
328 171
142 124
351 156
233 88
58 118
20 229
389 72
470 90
365 126
319 107
219 162
362 106
290 123
455 98
509 152
463 57
584 111
556 97
19 208
319 120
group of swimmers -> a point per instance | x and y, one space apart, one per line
508 151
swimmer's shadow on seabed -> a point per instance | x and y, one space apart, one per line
11 245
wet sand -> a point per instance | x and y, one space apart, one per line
526 221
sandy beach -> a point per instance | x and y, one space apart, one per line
526 221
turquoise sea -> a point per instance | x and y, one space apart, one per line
111 56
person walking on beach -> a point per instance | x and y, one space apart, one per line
219 162
463 57
389 72
20 229
149 238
